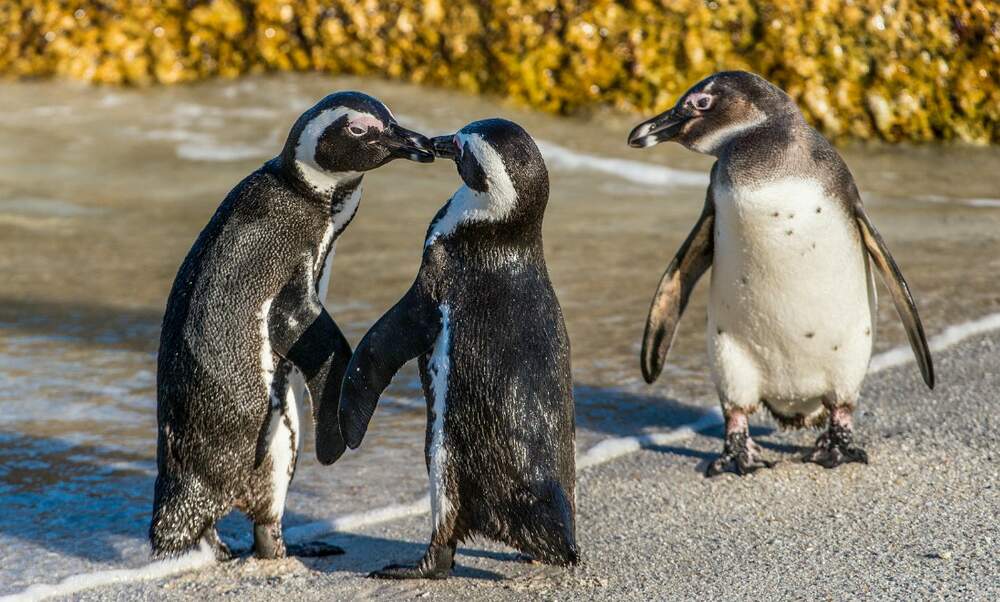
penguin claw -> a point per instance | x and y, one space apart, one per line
403 571
741 464
740 456
833 449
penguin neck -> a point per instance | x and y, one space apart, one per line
475 215
327 190
720 142
468 206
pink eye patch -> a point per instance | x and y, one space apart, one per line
700 100
365 121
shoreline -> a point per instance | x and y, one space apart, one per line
658 497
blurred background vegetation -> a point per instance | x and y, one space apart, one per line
896 70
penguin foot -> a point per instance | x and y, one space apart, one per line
834 448
402 571
314 549
436 564
740 455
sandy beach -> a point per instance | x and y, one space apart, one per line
78 346
919 522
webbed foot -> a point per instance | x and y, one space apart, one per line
740 455
436 564
836 445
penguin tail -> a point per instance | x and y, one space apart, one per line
554 534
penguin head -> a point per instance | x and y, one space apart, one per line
715 111
502 169
348 133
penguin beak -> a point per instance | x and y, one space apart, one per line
445 146
404 144
662 128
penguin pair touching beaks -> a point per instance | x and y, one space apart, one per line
245 335
791 312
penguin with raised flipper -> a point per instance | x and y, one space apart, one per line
245 332
791 314
494 361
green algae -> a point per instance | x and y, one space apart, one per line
896 70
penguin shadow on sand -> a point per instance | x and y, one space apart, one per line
365 553
620 413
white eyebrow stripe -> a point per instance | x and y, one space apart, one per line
501 187
305 151
468 205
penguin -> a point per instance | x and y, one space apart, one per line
245 332
791 313
494 360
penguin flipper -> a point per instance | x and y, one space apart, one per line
302 332
671 298
900 291
403 333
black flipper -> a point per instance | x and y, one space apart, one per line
900 291
302 332
671 298
406 331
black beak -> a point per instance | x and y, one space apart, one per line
662 128
405 144
444 147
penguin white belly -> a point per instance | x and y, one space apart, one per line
283 431
439 368
792 303
284 434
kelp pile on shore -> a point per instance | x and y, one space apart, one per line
892 69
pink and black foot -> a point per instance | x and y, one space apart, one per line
836 445
740 454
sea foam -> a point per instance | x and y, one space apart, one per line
639 172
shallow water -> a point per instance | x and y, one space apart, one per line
103 191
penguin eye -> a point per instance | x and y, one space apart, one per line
703 103
356 130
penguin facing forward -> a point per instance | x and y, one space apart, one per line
791 314
494 361
245 332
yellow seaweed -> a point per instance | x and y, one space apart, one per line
896 70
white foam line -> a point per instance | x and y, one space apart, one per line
946 338
357 520
616 447
600 453
158 569
639 172
209 151
944 200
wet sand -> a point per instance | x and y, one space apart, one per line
919 522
